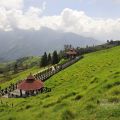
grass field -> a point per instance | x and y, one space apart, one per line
11 77
87 90
20 76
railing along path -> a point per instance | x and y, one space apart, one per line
44 75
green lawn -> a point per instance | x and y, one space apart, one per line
20 76
87 90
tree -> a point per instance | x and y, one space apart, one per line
108 41
67 47
49 60
15 68
55 58
6 74
111 42
44 61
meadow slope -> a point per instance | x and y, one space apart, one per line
87 90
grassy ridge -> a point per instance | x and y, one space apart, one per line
87 90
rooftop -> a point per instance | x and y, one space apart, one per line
31 83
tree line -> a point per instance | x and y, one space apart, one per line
94 48
49 59
53 58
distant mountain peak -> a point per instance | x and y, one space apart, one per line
20 43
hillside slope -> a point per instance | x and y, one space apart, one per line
87 90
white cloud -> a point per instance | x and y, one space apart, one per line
78 22
11 4
69 21
33 12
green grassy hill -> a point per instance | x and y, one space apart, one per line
87 90
26 65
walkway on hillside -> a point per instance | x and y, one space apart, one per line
44 75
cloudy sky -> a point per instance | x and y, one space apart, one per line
92 18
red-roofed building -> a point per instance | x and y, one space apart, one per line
71 53
30 85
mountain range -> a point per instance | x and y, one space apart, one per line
19 43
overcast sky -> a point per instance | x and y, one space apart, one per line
92 18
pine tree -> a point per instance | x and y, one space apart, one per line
55 58
49 59
44 61
61 54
